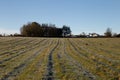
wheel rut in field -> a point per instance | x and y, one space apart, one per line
20 52
84 71
14 43
96 55
18 69
49 75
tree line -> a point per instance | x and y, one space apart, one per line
35 29
107 34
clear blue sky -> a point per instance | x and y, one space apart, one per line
81 15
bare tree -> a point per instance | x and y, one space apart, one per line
108 32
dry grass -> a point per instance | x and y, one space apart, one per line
59 58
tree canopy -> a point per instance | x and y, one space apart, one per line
35 29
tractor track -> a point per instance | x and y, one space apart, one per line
84 71
49 74
19 53
17 70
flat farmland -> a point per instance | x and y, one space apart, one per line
59 58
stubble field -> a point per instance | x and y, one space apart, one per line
59 58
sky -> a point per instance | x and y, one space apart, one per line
81 15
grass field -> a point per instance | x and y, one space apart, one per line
59 58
